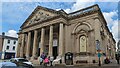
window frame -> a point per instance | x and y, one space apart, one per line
14 42
7 48
13 48
8 41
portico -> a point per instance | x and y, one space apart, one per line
43 38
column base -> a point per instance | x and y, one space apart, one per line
33 58
28 58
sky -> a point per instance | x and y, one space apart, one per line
14 13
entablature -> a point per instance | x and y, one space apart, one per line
45 24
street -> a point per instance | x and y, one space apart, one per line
111 65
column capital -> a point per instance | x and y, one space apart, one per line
43 28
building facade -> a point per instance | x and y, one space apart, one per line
1 46
118 46
83 33
8 47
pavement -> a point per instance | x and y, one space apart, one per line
113 64
3 60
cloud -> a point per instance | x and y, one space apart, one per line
109 18
11 33
79 5
114 30
58 0
112 23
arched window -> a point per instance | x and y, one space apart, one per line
83 43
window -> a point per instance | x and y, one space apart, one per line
13 47
8 41
22 60
14 42
7 48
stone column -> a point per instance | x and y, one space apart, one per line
28 45
42 41
22 46
51 41
61 39
34 54
18 47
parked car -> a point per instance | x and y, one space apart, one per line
22 62
7 64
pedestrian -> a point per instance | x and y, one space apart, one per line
46 61
107 61
51 58
41 60
43 56
117 58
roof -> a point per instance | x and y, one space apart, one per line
69 16
8 37
80 12
40 7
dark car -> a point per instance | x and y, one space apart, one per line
13 65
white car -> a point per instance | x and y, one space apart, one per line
21 60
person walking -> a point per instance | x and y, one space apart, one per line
117 58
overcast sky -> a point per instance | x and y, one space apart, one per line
13 14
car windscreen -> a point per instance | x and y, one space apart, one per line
23 60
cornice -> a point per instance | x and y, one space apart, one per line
46 20
38 8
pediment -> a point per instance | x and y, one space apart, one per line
40 13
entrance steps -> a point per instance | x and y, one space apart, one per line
35 62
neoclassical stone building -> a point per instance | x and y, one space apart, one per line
83 33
